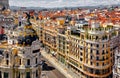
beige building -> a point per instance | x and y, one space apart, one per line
86 50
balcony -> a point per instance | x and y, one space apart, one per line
92 41
28 66
96 32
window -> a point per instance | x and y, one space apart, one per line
97 52
90 57
81 54
103 45
6 75
96 37
97 45
103 58
97 64
97 72
23 52
36 51
28 75
97 58
107 52
20 61
91 51
111 54
18 75
7 62
80 59
36 60
103 52
91 45
7 55
36 73
86 61
91 63
80 48
28 62
0 74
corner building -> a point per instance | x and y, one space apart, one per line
20 55
89 51
86 48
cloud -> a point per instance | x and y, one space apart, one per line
61 3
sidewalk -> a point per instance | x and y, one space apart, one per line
56 64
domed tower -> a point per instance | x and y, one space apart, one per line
26 36
21 58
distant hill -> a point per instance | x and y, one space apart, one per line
61 8
14 7
28 8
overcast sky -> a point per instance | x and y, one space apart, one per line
61 3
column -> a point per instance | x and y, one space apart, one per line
21 75
24 74
33 74
15 74
11 73
39 72
2 74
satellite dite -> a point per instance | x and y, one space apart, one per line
4 4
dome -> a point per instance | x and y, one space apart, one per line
26 35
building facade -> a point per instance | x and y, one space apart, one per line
20 56
86 50
116 67
90 53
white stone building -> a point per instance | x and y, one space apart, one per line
20 58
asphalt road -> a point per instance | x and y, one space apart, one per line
50 71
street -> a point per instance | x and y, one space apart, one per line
50 72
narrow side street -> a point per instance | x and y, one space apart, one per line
58 66
50 71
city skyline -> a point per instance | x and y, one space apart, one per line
61 3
